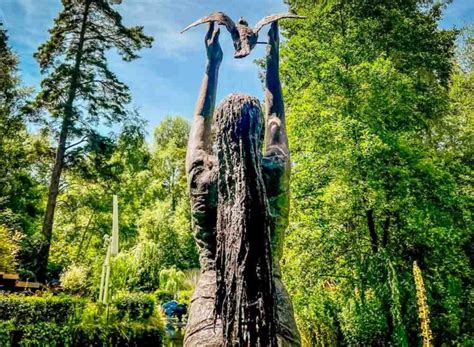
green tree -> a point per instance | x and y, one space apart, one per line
79 90
20 191
103 168
153 234
171 140
365 84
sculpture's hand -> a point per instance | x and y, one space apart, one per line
213 48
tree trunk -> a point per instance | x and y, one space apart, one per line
372 232
47 230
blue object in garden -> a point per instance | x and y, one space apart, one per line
180 311
173 309
169 308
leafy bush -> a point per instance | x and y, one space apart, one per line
363 322
41 334
137 268
75 280
184 297
163 296
172 280
118 334
28 310
55 334
135 306
5 328
8 249
192 278
65 321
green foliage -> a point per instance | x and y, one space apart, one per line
20 190
137 268
6 327
163 296
363 322
380 119
75 280
8 250
119 334
66 321
30 310
41 333
375 185
134 306
80 92
184 297
82 34
56 335
191 278
172 280
154 218
140 267
399 331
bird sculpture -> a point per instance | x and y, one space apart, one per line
244 37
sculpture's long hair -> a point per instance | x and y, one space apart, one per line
244 298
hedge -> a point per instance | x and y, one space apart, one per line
56 335
31 309
67 321
134 306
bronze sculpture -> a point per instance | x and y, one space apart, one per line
244 37
240 204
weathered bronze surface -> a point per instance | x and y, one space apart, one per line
240 202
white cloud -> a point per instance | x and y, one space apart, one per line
164 20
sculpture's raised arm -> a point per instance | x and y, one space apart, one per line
200 136
276 139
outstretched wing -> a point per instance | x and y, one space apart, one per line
221 18
274 17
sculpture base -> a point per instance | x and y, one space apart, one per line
202 331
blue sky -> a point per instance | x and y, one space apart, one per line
165 81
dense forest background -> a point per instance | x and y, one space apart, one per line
380 106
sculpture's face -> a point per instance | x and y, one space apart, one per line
247 42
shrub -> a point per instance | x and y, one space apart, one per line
172 280
137 268
8 249
75 280
119 334
5 328
55 335
135 306
27 310
65 321
184 297
191 278
41 334
163 296
362 320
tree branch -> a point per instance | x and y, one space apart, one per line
77 143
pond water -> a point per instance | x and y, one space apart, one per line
174 333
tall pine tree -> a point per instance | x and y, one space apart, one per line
79 90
